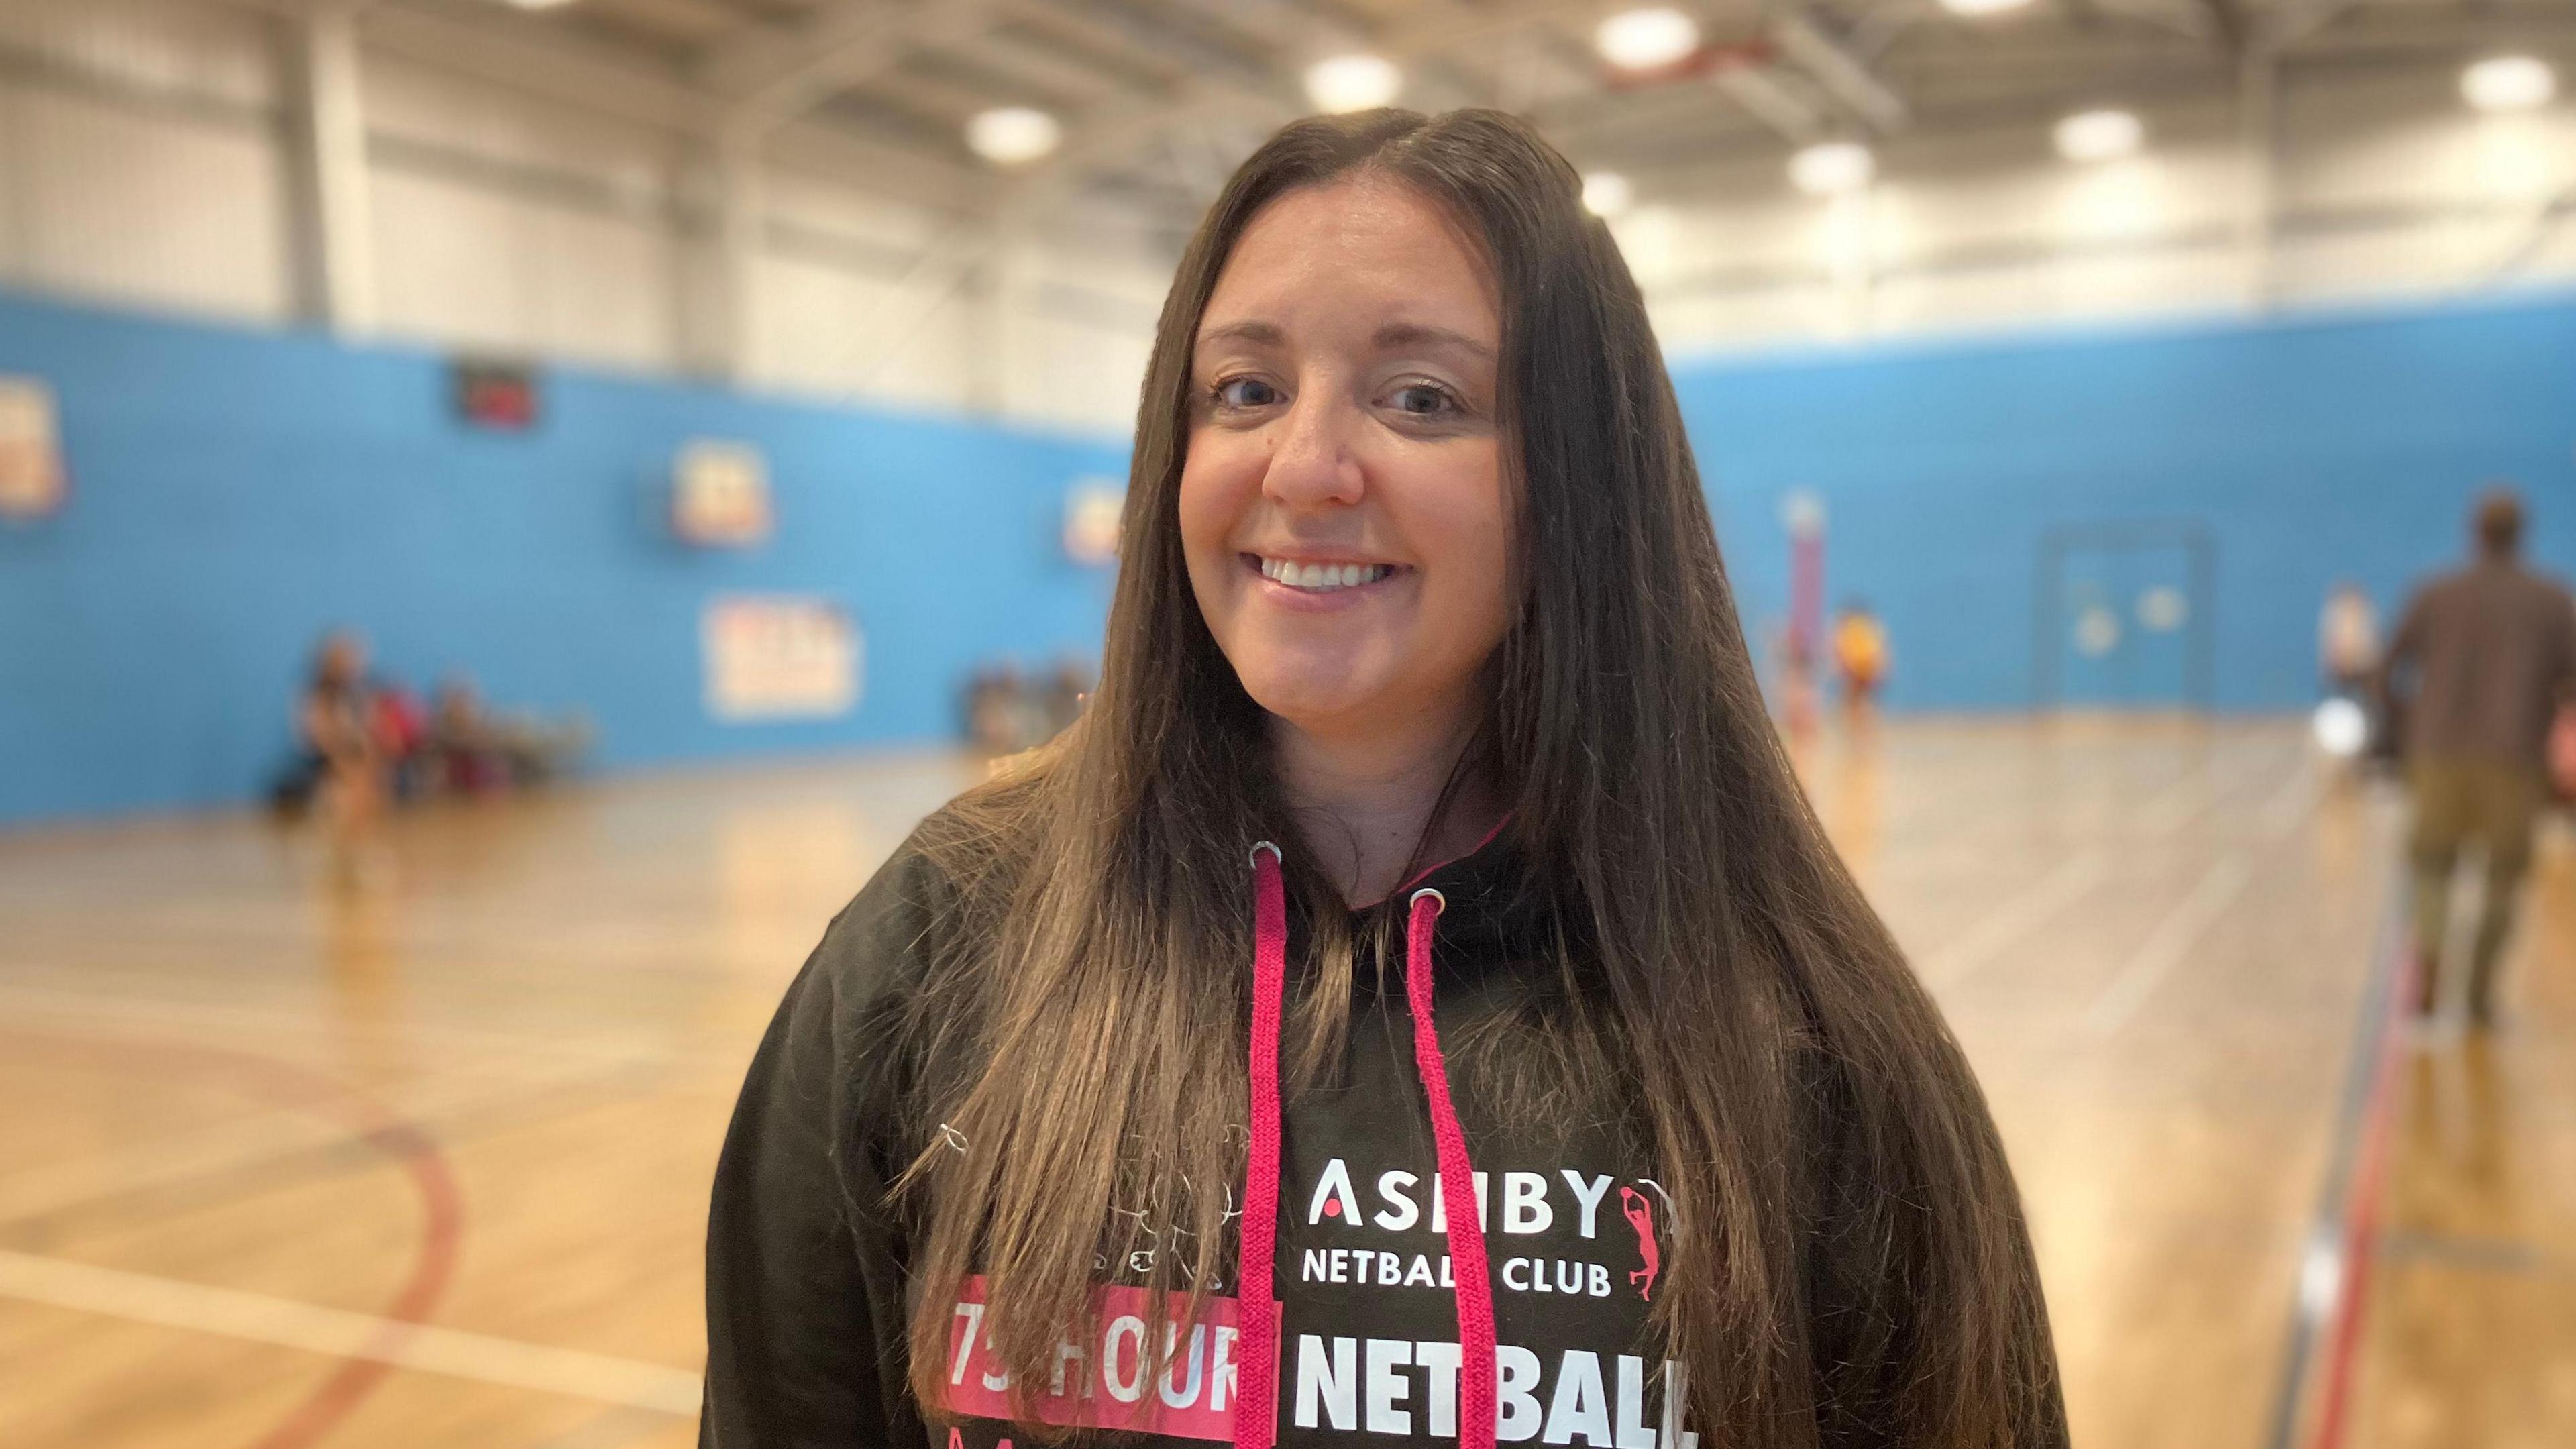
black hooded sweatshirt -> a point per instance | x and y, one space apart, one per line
809 1299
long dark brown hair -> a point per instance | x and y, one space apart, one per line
1850 1263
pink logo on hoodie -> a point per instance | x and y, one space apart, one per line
1641 1216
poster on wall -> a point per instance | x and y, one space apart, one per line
720 494
779 657
32 480
1091 509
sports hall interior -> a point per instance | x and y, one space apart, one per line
704 416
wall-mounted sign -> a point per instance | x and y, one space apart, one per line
720 494
779 657
32 480
501 396
1091 509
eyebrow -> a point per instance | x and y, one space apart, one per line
1392 335
1263 334
1416 334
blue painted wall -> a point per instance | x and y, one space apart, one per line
2310 450
236 492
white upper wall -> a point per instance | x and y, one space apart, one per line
145 158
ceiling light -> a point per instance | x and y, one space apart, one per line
2099 135
1830 167
1607 193
1973 8
1647 39
540 4
1010 135
1352 83
2508 83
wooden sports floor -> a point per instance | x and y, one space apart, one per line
423 1161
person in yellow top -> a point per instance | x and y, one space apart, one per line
1860 656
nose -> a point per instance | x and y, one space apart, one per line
1315 464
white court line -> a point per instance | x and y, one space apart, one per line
2017 917
2176 806
2180 805
337 1333
2290 805
2172 940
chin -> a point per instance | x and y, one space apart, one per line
1310 702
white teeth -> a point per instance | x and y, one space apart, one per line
1323 578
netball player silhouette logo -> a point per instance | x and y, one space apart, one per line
1641 1216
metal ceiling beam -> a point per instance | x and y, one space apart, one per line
1194 46
2296 20
2388 29
775 74
931 95
1129 124
2191 20
1759 91
1841 72
691 20
2228 18
1014 52
560 68
542 61
1077 30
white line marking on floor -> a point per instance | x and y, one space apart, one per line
2019 915
2181 803
2177 806
337 1333
2172 940
2290 805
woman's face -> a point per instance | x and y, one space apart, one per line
1342 504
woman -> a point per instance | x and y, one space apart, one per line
342 764
1624 1123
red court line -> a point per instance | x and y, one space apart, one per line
2362 1211
377 1126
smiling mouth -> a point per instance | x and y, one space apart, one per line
1320 578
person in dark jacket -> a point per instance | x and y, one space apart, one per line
1414 1003
2481 661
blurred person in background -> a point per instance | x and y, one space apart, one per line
1000 710
2355 713
343 768
401 727
2480 663
467 747
2348 642
1066 686
1860 657
1794 678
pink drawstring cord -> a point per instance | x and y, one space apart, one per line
1256 1396
1457 1187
